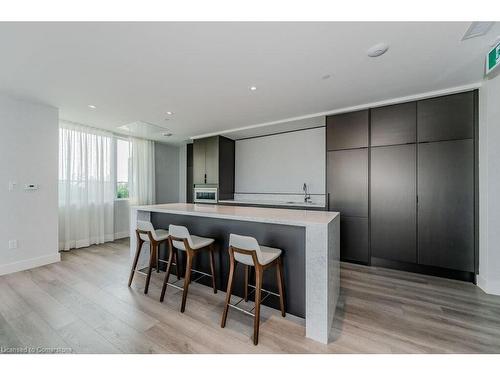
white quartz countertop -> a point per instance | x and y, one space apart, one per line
272 203
256 214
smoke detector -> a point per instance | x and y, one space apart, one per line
377 50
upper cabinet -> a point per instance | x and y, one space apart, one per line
347 130
394 124
205 160
446 118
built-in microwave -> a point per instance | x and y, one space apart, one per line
205 195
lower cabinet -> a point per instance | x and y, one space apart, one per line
354 239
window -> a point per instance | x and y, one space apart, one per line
122 168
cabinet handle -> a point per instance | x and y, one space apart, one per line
205 178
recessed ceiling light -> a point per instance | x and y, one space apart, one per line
253 88
377 50
91 106
170 113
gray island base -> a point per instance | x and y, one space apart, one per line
309 240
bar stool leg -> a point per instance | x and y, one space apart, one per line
247 272
167 275
136 259
177 264
258 289
157 257
279 277
152 253
212 267
187 278
228 290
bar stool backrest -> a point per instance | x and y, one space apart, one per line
245 243
146 226
179 231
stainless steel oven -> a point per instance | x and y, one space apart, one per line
205 195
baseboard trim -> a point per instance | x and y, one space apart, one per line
120 235
29 263
489 288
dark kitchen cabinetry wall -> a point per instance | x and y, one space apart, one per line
347 182
417 164
213 164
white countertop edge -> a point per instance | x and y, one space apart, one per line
303 222
273 203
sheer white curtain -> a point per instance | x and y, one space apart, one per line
142 173
86 186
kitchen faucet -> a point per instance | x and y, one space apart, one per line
307 196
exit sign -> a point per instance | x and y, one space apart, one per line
493 58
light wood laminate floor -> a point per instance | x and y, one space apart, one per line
83 304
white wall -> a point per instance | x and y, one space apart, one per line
28 154
281 163
489 186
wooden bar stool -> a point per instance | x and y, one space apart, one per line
180 239
246 250
145 232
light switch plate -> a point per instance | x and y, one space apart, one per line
12 244
12 185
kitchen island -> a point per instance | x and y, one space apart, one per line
309 240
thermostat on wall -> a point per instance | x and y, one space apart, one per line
31 187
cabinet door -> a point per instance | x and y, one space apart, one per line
393 203
347 130
394 124
199 161
212 160
446 118
348 182
354 239
446 204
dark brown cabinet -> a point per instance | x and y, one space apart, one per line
394 124
354 239
446 118
347 130
348 184
393 203
446 204
213 164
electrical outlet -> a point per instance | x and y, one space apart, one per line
12 244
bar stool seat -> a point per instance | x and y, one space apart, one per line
198 243
268 254
160 235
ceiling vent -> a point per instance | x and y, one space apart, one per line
477 29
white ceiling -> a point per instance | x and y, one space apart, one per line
202 71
